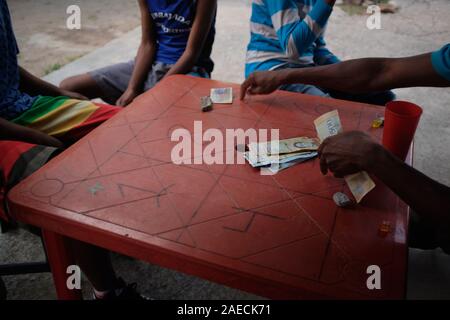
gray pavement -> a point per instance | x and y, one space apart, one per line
420 26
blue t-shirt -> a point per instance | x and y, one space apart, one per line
441 61
174 20
12 101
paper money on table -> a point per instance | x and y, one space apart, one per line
329 124
275 168
278 153
261 160
292 145
222 95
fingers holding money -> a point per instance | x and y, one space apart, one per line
337 166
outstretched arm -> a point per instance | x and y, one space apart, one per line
356 76
35 86
15 132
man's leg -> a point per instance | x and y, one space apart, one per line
2 290
305 89
108 83
96 265
199 72
66 119
83 84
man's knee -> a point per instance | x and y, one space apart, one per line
69 84
75 83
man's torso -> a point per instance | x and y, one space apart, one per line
265 46
173 21
12 101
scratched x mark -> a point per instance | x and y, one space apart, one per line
250 222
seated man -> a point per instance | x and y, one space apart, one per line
290 34
177 38
351 152
36 120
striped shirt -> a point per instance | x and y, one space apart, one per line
288 32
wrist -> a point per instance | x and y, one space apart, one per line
133 88
377 158
289 76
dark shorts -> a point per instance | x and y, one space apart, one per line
114 79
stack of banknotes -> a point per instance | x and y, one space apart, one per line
281 154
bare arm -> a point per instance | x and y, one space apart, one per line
35 86
144 57
351 152
206 10
356 76
427 197
15 132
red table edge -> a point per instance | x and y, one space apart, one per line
117 243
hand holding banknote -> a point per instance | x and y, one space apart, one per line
329 125
347 153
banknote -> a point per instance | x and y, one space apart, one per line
359 184
222 95
286 146
275 168
260 160
295 145
329 124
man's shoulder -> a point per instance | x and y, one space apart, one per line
441 61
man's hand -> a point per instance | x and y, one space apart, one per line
348 153
72 95
15 132
261 82
127 97
40 138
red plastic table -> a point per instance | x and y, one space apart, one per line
277 236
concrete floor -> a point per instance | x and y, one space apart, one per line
420 26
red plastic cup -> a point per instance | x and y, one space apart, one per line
400 123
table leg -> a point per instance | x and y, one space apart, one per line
59 258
